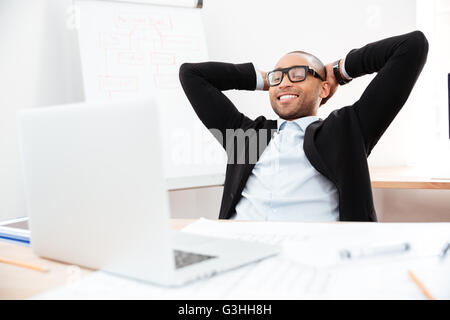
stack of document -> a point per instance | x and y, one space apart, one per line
16 231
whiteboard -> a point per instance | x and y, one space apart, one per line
135 50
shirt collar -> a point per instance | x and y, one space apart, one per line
302 122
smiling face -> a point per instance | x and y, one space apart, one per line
293 100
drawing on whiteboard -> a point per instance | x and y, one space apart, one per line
113 40
131 58
131 51
131 22
162 58
147 41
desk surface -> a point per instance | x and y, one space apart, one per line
21 283
408 178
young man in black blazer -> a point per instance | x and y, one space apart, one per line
305 168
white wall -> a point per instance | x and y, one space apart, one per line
40 66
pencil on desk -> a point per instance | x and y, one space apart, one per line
24 265
420 285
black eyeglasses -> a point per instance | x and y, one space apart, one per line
294 73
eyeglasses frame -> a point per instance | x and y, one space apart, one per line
286 71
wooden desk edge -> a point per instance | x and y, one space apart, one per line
381 178
393 184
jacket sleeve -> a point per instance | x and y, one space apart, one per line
203 84
398 61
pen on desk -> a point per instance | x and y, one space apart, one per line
420 285
24 265
445 250
374 251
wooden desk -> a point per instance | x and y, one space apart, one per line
407 178
21 283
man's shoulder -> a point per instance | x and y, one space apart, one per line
341 117
341 126
340 123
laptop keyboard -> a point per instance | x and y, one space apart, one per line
184 258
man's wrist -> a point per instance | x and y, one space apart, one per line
338 70
344 73
259 79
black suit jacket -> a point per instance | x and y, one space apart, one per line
338 146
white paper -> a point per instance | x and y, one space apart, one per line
319 244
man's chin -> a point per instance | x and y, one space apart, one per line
287 114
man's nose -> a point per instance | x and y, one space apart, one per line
285 82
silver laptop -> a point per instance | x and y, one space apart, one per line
96 196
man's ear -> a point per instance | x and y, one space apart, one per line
324 91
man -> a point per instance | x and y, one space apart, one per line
311 169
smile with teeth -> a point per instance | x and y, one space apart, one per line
287 96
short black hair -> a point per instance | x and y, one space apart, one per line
318 63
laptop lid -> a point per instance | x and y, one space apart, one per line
95 188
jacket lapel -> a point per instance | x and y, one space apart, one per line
311 152
247 168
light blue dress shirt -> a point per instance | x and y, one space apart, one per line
284 185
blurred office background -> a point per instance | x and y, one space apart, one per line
40 66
